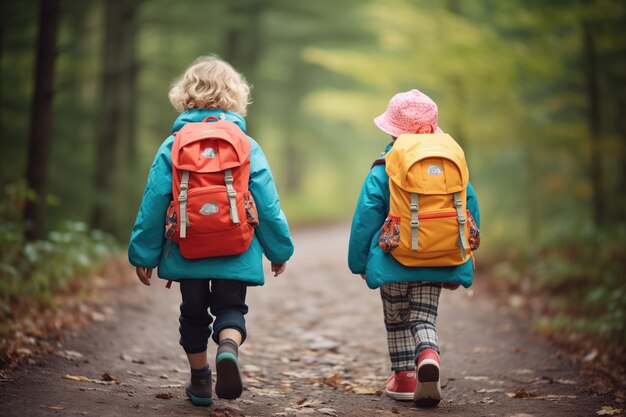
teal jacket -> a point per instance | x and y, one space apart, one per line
149 248
366 257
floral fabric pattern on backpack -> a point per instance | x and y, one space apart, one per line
171 221
252 215
474 235
389 237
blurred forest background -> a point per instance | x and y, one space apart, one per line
534 91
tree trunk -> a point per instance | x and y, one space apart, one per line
293 155
593 105
621 134
41 119
534 190
458 91
243 44
117 111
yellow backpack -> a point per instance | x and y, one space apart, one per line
427 223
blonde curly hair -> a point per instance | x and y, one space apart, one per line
210 83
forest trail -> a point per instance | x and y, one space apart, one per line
316 346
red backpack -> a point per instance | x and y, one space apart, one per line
213 212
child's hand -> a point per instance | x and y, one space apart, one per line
144 274
278 269
449 286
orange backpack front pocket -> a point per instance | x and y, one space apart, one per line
208 210
438 231
210 228
389 237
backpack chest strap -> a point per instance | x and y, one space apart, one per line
414 221
232 195
458 204
182 202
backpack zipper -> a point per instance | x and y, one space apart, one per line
438 215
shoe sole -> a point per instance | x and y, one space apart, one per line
428 390
229 385
202 401
399 396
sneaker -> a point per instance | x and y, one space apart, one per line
229 385
199 389
428 387
401 386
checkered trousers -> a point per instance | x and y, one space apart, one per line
410 310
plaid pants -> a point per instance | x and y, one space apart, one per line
410 310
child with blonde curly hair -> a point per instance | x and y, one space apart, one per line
210 89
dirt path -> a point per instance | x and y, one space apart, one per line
316 346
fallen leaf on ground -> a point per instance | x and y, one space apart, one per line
553 397
70 354
327 411
85 379
164 395
76 377
164 376
607 410
331 381
482 349
108 378
591 356
305 402
476 378
565 381
226 413
366 391
129 358
489 391
291 410
521 393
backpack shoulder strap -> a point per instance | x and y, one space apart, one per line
380 160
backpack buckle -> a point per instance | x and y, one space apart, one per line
232 193
415 223
415 207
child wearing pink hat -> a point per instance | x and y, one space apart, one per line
410 295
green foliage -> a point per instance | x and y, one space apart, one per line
583 277
36 270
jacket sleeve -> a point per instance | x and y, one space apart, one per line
273 229
368 218
147 236
472 204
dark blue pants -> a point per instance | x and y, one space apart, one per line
227 301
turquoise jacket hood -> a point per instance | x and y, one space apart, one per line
149 248
365 255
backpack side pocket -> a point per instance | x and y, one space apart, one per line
389 237
252 216
171 220
474 235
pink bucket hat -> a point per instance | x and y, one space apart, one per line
409 112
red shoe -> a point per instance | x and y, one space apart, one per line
401 386
428 389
